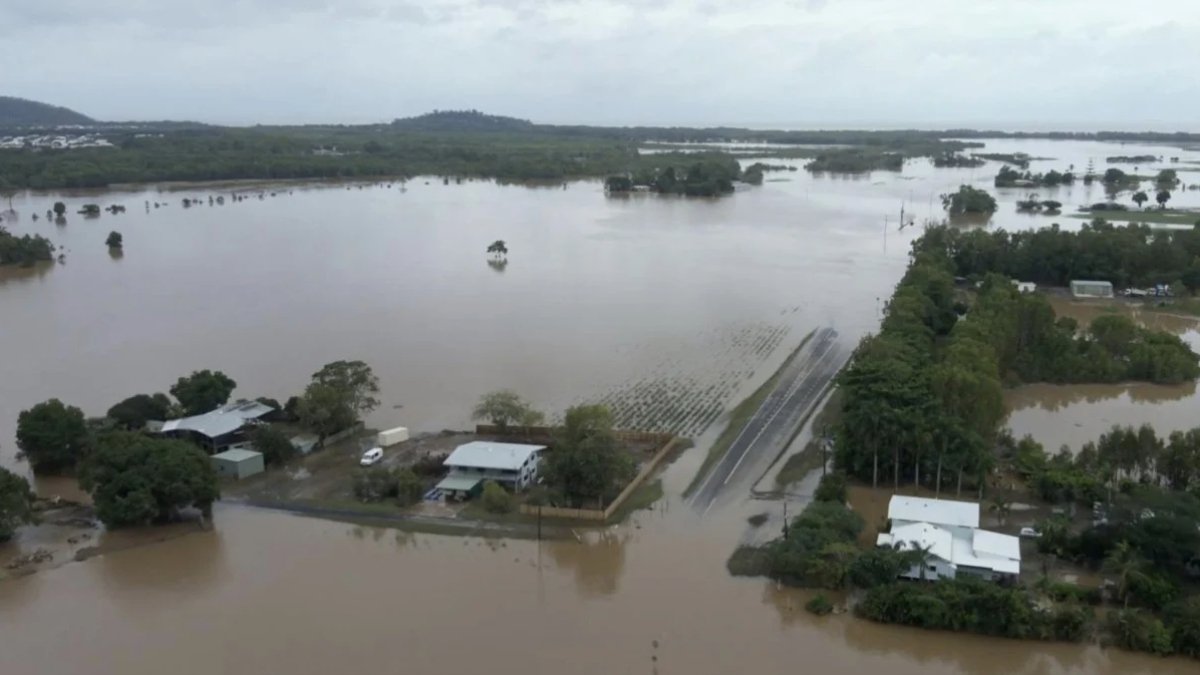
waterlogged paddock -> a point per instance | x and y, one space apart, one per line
668 309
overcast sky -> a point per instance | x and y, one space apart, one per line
1048 64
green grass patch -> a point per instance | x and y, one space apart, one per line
740 416
1151 216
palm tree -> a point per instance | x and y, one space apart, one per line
1001 506
1125 564
920 557
498 249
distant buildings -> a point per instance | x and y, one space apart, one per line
54 141
1091 289
512 465
949 532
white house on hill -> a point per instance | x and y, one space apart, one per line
949 531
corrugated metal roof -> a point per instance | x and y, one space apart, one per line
924 536
936 511
489 455
237 455
463 483
223 420
996 544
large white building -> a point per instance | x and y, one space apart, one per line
513 465
949 530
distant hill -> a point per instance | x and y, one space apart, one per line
461 120
22 112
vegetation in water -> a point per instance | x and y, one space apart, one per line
856 160
24 250
136 479
957 160
1009 177
114 240
133 413
16 503
53 436
968 200
506 408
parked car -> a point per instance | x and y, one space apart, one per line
372 456
1029 533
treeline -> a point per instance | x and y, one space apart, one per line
1009 177
707 175
956 160
924 395
1125 255
446 144
24 250
856 160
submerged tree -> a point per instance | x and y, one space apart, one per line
202 391
115 240
16 503
504 407
52 436
498 249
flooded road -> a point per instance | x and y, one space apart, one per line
683 304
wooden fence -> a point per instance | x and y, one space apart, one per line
669 442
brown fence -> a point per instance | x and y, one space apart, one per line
648 469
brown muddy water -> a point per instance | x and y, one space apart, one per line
671 308
1071 415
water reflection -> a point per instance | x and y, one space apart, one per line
1056 397
498 265
133 560
116 253
597 560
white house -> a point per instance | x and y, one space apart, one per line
513 465
949 530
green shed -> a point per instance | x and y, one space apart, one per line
238 463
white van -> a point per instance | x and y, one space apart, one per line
372 456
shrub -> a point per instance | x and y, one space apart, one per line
496 499
819 605
832 488
1184 619
1070 623
409 487
1061 591
1136 630
274 445
374 484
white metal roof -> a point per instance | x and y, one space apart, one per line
223 420
237 455
489 455
939 542
935 511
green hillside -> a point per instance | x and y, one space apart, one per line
22 112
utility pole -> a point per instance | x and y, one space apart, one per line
785 520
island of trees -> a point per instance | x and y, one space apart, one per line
1009 177
24 250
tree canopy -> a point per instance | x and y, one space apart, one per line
505 407
16 503
53 436
133 412
24 250
203 391
136 479
586 464
968 200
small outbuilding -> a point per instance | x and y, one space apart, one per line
1091 289
238 463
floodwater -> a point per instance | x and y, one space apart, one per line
1071 415
641 301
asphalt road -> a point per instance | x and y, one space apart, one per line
799 389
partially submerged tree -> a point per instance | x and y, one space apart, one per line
498 249
1140 197
968 200
504 407
60 209
339 394
202 391
16 503
136 479
114 240
52 436
1162 197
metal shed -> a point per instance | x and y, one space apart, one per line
238 463
1081 288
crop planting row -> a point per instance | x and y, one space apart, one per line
687 391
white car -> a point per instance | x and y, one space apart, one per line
372 456
1029 533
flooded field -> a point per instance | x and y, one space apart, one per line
668 309
1071 415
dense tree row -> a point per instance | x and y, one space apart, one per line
1125 255
968 200
1009 177
856 160
924 395
24 250
709 175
